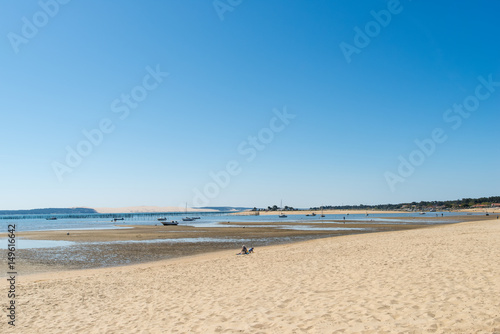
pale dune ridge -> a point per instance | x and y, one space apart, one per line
150 209
442 279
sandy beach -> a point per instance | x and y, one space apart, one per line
147 243
326 212
442 279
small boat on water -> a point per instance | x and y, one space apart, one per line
117 219
422 213
51 218
282 215
312 214
169 223
162 219
189 219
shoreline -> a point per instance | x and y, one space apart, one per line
226 252
440 279
318 212
92 249
494 210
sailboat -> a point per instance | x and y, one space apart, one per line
322 215
282 215
187 219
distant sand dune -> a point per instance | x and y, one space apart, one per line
442 279
137 209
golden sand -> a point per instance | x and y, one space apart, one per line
444 279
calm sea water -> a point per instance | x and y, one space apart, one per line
207 220
97 222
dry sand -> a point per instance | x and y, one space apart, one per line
443 279
492 210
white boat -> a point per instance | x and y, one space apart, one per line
188 219
282 215
170 223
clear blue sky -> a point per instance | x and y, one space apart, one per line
353 120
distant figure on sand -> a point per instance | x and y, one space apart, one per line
244 250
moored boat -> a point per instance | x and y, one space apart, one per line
169 223
189 219
282 215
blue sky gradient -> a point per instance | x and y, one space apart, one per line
353 120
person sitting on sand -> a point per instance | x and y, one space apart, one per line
250 250
244 251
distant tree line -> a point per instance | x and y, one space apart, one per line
463 203
276 208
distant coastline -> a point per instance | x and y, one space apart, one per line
49 211
401 208
482 204
130 209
